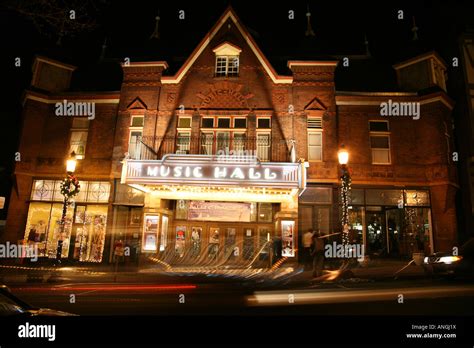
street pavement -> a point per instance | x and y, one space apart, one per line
375 289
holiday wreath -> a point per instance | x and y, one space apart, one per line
70 186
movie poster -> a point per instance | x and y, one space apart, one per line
287 238
196 234
180 240
150 231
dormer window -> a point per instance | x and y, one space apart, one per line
227 66
227 60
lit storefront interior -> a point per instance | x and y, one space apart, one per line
86 220
199 210
389 222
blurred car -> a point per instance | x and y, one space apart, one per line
447 264
10 305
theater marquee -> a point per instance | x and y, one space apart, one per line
205 170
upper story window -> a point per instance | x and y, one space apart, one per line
137 121
183 139
264 123
380 142
227 66
227 60
223 133
315 138
135 147
240 123
184 122
78 140
223 122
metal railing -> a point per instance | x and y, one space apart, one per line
263 147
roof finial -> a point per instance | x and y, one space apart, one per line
309 29
366 43
414 29
156 32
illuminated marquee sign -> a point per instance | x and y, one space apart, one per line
208 170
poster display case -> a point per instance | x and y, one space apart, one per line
180 243
150 233
287 238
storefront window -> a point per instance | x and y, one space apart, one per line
384 197
90 238
416 237
356 215
91 191
317 195
37 226
417 198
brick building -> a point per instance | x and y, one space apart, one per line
210 163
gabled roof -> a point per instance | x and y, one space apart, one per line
229 13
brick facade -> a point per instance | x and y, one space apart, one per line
420 150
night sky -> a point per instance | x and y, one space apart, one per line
340 27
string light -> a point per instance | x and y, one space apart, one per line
345 191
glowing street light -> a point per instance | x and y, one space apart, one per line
71 163
343 157
69 188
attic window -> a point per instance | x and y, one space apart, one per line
227 60
227 66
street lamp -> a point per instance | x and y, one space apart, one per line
69 188
343 157
71 163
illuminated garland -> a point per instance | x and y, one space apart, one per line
66 184
345 191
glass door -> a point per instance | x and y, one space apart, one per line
394 218
230 243
376 233
248 243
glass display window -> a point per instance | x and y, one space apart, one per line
56 232
37 225
91 235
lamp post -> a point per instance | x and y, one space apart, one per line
68 193
343 157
